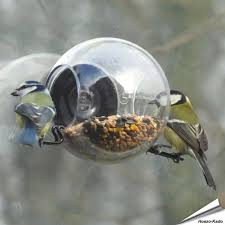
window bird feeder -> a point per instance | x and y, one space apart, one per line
101 89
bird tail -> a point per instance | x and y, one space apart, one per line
207 174
28 134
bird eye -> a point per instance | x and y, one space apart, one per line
23 87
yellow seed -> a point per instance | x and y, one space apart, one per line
134 127
118 129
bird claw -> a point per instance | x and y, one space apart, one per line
154 150
57 133
40 142
176 157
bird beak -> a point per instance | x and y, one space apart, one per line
15 93
154 102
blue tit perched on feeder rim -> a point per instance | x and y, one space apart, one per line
185 134
35 113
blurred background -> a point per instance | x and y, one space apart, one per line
56 188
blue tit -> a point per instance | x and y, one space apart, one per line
185 134
34 113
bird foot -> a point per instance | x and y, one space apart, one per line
57 133
40 142
176 157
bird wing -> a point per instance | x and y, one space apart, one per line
203 141
39 115
193 134
195 137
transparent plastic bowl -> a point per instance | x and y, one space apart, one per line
100 83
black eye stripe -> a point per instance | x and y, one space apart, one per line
23 87
26 86
37 87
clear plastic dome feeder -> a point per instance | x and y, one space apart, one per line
102 91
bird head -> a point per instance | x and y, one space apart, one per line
178 98
28 87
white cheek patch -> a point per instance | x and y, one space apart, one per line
27 90
175 99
